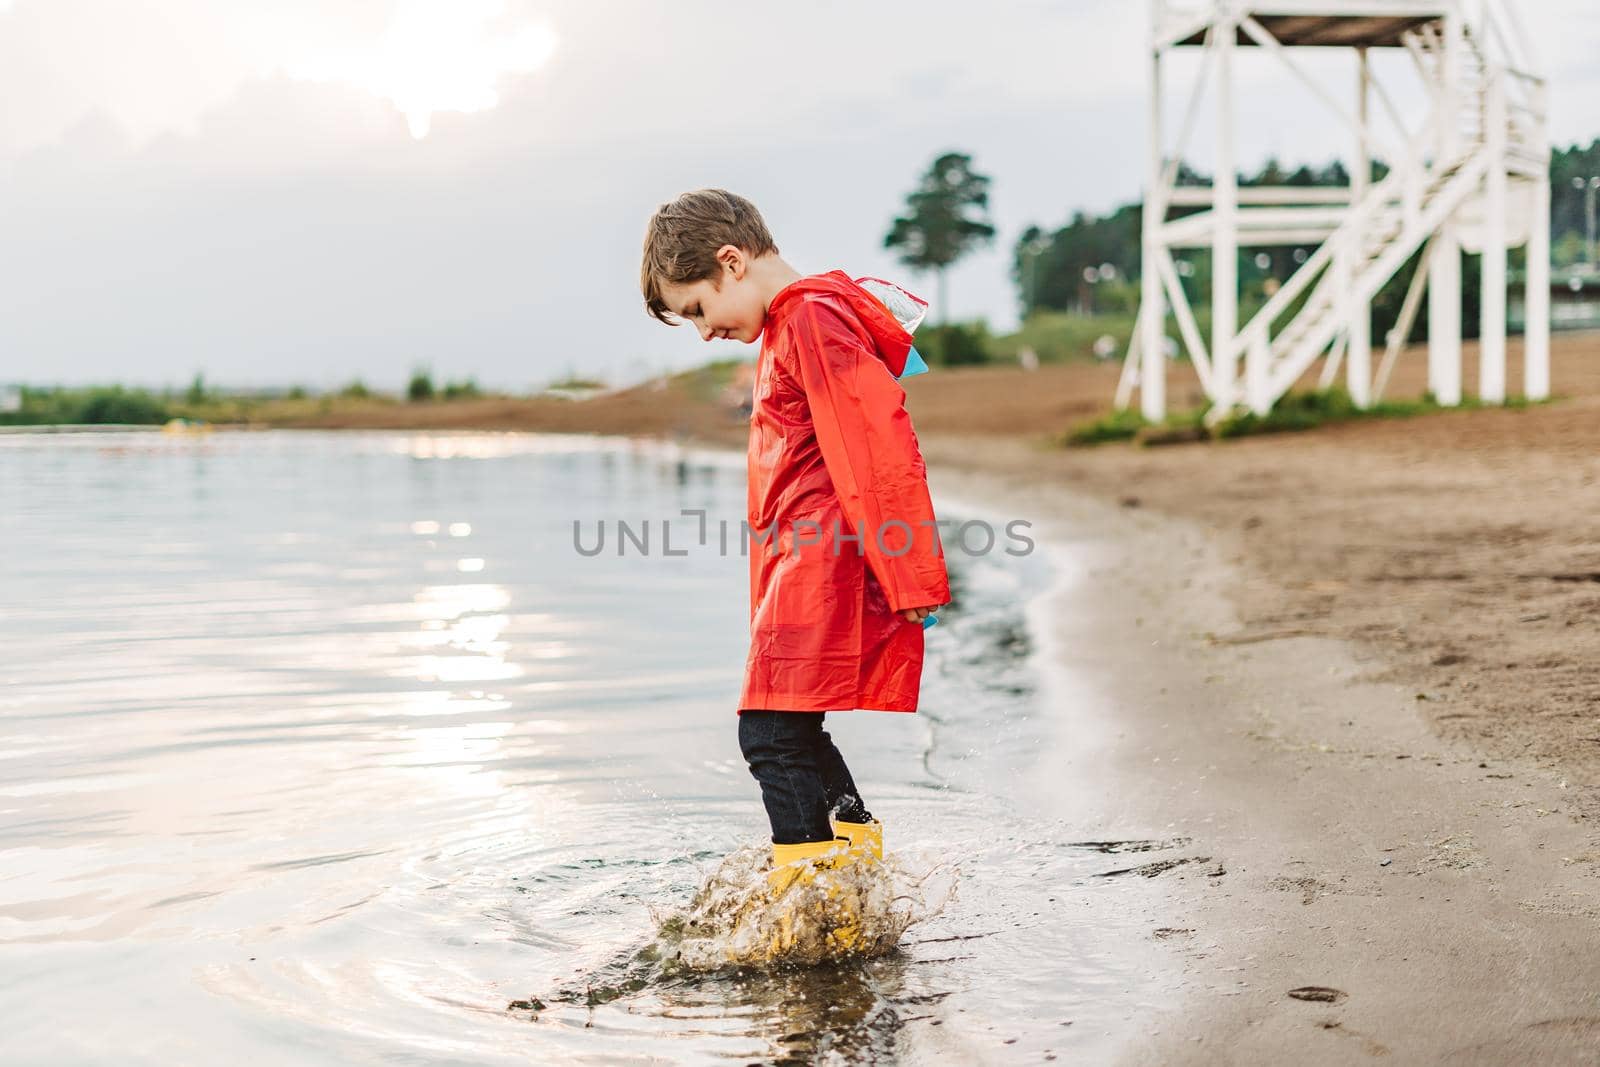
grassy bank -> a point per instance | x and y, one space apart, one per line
1293 413
1059 336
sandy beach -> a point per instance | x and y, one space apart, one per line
1348 673
1353 668
1435 900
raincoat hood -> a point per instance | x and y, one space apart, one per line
891 340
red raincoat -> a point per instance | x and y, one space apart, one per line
834 465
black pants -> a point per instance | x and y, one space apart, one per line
803 778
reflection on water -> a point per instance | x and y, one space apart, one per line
326 748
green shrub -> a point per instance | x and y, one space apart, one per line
97 405
119 405
420 388
1117 426
1292 413
576 383
1303 411
954 343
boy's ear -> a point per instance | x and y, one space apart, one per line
733 260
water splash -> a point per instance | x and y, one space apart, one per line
728 930
858 910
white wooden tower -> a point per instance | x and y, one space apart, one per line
1469 171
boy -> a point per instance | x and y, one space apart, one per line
844 554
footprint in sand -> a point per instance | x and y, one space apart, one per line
1318 994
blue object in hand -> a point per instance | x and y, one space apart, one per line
929 621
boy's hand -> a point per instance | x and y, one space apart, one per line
918 614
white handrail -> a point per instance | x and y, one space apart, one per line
1286 294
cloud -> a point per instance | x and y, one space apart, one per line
223 215
438 55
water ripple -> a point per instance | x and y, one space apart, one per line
326 748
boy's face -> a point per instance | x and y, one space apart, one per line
727 307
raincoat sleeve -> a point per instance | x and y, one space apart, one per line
868 446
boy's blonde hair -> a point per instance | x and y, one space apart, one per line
681 242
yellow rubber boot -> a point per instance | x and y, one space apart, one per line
799 864
791 863
865 838
865 846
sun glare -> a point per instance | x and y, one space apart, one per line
440 55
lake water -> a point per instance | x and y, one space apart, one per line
330 748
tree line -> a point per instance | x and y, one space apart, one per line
1091 265
1066 269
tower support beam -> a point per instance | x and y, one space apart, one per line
1225 234
1536 299
1444 265
1492 303
1152 309
1358 366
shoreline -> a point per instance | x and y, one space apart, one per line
1352 848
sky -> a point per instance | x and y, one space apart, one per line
313 191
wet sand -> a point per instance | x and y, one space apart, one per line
1350 670
1332 839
